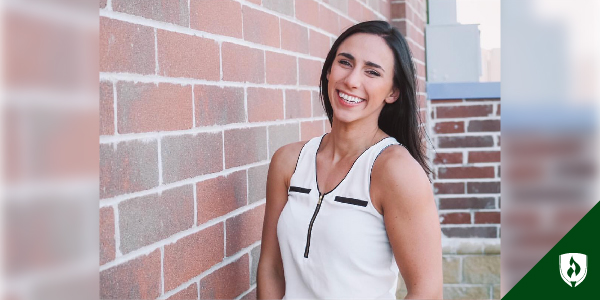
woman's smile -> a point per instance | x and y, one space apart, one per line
348 100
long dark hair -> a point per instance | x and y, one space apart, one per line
400 119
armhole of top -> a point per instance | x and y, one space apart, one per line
371 171
298 159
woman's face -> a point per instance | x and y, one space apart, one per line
363 69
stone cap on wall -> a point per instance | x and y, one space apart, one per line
471 246
463 90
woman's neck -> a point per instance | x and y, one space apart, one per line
348 140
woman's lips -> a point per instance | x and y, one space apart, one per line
344 102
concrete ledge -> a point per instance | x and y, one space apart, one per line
463 90
471 246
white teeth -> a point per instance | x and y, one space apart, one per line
350 98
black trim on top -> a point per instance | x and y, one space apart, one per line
298 159
299 189
352 201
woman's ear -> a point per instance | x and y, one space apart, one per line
393 96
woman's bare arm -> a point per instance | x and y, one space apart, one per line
270 280
411 220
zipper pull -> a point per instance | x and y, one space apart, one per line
320 199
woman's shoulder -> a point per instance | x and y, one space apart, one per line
284 159
396 174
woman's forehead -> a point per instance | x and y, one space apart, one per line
367 47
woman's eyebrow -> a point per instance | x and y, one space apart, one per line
368 63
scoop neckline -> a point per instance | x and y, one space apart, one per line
351 167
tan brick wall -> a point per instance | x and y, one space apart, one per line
471 269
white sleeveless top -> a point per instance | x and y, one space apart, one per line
338 248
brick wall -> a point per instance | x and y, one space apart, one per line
195 97
466 182
466 137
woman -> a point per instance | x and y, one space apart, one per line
347 210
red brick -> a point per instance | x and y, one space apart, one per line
126 47
222 17
107 117
449 127
169 11
355 10
228 282
345 23
448 158
128 167
192 255
498 111
251 295
58 143
281 68
307 11
216 105
455 218
328 20
319 44
341 5
465 141
467 203
310 71
149 219
283 7
487 217
280 135
257 183
294 37
398 10
384 9
190 292
401 26
138 278
484 156
483 187
449 188
463 111
466 172
257 2
260 27
183 60
242 64
148 107
188 156
317 106
245 146
368 15
221 195
107 235
484 125
264 104
470 232
310 129
297 104
244 229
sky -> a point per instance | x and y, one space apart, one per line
483 12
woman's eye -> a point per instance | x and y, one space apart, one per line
343 62
374 73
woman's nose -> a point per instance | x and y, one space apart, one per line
352 79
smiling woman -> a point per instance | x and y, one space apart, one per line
348 210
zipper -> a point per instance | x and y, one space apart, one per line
310 226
